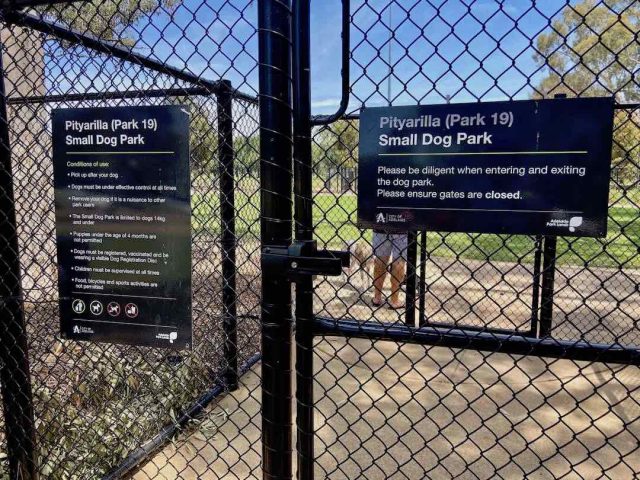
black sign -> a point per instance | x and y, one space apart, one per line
523 167
123 223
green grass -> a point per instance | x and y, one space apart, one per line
335 217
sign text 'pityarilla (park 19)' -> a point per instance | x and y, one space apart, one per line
123 224
520 167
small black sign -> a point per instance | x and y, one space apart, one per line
123 224
521 167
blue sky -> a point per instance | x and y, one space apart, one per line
457 49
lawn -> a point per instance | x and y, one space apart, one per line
335 217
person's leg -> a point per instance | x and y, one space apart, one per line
379 275
398 265
397 277
382 254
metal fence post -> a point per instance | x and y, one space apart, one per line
17 397
422 286
303 190
224 103
412 260
535 293
548 280
274 52
548 276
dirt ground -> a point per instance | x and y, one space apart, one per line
398 411
600 305
409 412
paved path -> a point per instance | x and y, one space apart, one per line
410 412
394 411
600 305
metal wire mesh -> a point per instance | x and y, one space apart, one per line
388 409
95 404
383 409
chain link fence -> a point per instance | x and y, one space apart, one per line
393 409
413 405
103 410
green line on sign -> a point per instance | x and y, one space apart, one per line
433 154
121 153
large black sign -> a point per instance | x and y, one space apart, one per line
123 226
523 167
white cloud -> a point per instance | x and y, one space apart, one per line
325 103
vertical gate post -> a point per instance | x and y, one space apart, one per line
274 52
422 287
17 397
304 232
548 280
548 276
535 293
412 260
224 106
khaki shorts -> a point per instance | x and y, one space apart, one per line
390 244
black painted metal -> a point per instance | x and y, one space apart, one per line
483 341
228 240
97 96
275 36
535 292
274 46
548 276
129 94
547 289
412 260
304 232
17 399
422 284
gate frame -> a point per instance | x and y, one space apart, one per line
308 326
15 377
285 137
276 156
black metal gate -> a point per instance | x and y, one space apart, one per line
513 357
519 360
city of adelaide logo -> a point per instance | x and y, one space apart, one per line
391 218
81 329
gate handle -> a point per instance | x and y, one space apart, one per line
344 73
302 259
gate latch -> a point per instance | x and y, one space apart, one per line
301 259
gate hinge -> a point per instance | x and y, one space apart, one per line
301 259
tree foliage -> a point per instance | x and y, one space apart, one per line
593 49
338 145
247 157
108 19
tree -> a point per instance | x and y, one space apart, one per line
593 49
247 156
337 152
108 19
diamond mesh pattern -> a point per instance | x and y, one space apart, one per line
388 409
96 403
383 409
